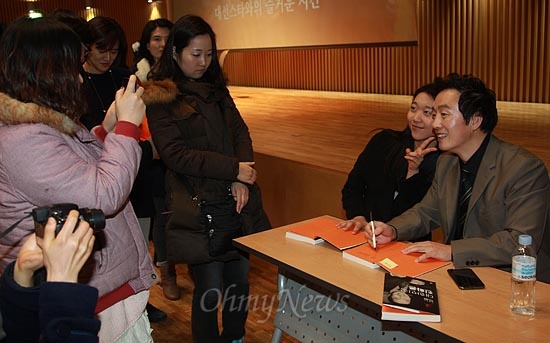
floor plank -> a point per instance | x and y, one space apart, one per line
263 285
330 129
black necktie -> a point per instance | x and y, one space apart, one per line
463 201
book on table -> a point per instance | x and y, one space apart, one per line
410 299
390 257
323 229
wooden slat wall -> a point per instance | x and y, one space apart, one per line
504 42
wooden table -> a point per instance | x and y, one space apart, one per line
469 316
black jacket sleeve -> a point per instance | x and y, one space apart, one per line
66 313
51 312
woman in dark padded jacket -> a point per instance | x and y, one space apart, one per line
211 190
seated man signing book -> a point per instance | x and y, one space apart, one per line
485 192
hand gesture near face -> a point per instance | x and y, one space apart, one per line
415 158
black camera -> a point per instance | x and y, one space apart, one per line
95 217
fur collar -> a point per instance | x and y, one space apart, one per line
14 112
164 91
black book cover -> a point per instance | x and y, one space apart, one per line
415 299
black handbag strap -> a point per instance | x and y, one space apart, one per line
190 190
10 229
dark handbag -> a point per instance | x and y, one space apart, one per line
222 224
254 218
186 238
219 220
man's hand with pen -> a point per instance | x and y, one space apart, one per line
384 233
373 237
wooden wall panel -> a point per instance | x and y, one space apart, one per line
504 42
294 191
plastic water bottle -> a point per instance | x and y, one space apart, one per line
524 273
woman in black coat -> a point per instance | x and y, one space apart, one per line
210 181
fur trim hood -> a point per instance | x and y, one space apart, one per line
15 112
156 92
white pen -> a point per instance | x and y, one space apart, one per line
373 235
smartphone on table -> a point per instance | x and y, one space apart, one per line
465 278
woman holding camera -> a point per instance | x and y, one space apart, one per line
48 157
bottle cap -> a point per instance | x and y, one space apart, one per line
525 240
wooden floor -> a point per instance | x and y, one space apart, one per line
327 130
330 129
263 286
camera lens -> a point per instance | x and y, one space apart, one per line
94 217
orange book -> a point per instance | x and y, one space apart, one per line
323 229
390 257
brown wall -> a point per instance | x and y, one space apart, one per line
504 42
257 24
294 191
